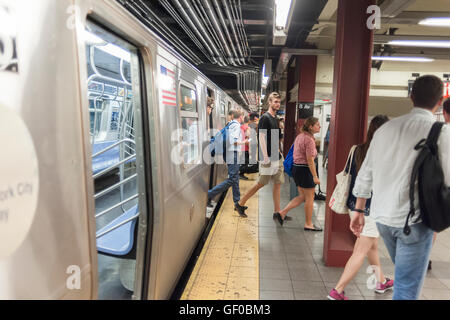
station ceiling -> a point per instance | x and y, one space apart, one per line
228 40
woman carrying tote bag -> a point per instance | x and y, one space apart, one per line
367 243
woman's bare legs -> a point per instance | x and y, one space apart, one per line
309 206
295 202
363 246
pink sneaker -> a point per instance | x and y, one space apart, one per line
383 287
334 295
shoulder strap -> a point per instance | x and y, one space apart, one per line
412 183
350 157
434 135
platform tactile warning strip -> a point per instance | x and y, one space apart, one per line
228 266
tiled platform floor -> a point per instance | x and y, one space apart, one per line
256 258
291 264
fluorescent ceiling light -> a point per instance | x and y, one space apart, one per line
436 22
282 8
421 43
406 59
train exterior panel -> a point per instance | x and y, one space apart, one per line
50 93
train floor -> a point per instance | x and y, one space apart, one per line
256 258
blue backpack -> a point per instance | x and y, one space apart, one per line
289 161
218 143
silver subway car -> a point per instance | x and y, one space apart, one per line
104 188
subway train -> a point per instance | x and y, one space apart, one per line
104 189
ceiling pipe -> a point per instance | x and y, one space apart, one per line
218 30
199 30
207 21
233 29
240 27
224 25
179 20
140 9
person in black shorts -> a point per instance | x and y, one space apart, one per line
304 173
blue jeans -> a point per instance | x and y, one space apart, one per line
232 181
410 255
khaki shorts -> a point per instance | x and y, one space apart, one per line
370 227
273 171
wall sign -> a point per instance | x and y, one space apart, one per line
305 110
19 183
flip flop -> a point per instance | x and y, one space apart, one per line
314 229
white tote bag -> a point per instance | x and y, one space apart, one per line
338 200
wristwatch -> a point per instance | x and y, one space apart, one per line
359 210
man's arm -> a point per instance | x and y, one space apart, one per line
357 221
263 146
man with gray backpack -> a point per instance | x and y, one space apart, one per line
406 148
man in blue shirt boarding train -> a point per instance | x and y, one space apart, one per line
233 147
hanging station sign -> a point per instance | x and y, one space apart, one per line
305 110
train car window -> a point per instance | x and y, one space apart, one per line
112 64
190 143
222 108
223 113
189 124
188 101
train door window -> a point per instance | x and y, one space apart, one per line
223 113
210 104
189 124
113 77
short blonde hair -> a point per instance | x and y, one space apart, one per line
274 95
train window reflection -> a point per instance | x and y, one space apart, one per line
188 101
190 145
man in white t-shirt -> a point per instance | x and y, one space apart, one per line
386 171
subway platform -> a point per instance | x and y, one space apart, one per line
255 258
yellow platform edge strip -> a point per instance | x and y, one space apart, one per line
228 266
